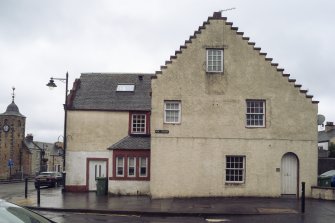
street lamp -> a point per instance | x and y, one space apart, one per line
51 85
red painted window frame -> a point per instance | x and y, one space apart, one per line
147 123
131 153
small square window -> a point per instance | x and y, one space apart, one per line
138 124
172 111
214 60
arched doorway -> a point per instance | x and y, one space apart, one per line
289 174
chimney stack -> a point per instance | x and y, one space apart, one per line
29 137
329 126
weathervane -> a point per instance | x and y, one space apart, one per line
13 94
229 9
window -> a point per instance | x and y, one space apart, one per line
214 60
172 111
131 166
125 87
255 113
235 169
143 166
138 124
120 166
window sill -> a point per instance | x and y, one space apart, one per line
214 72
130 178
255 127
235 184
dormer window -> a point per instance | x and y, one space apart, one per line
125 87
138 123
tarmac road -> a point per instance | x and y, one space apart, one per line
66 207
7 191
61 217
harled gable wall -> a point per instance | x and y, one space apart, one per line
90 133
190 159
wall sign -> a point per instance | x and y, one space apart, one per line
162 131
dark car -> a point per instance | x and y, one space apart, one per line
11 213
50 179
327 179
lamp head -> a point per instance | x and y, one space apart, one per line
51 84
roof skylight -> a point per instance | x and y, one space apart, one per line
125 87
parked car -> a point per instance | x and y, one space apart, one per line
11 213
327 179
50 179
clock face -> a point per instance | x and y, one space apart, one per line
6 128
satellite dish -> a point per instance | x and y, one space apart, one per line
321 119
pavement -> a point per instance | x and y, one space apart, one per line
52 199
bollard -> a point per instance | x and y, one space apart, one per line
26 187
38 193
303 197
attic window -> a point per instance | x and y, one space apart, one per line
214 60
125 87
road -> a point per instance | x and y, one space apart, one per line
9 190
325 212
61 217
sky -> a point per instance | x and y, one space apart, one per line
40 39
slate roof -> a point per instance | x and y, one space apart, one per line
12 110
324 136
97 91
132 142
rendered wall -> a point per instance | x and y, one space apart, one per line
90 133
190 159
76 166
128 187
95 130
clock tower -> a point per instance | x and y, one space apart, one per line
12 134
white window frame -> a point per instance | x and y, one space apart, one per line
213 64
125 87
178 121
140 166
117 166
137 124
233 170
252 117
134 158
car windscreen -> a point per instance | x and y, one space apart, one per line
14 214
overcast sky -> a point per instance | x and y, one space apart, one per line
44 38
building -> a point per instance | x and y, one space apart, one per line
20 156
108 120
44 156
325 139
227 121
219 119
14 159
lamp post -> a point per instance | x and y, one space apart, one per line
51 85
